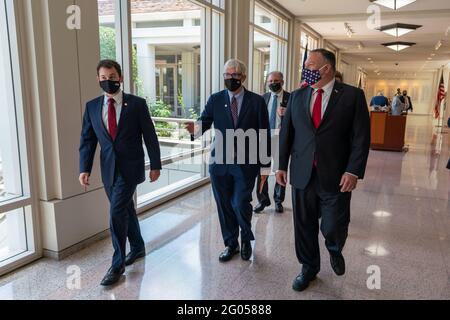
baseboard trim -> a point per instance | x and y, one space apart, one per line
60 255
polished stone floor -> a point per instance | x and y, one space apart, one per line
400 226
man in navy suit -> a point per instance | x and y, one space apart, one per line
326 137
234 170
119 122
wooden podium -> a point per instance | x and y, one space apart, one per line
387 131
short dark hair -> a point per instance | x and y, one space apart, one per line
109 64
328 55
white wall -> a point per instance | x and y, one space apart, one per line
62 78
420 89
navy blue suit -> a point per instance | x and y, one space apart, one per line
122 165
232 183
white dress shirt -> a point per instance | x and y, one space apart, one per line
118 104
327 90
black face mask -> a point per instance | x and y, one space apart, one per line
275 87
232 84
110 86
404 94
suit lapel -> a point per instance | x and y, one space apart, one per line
335 95
100 117
124 112
267 98
307 98
227 107
244 108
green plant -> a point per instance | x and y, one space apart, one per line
108 51
160 109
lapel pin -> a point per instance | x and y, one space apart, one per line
335 90
126 104
226 106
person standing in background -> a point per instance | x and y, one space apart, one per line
276 101
406 100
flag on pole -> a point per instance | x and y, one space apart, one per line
305 56
440 97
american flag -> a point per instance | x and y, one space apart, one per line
305 56
440 97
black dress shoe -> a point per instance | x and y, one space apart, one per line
337 263
246 251
112 276
133 256
301 282
279 208
260 207
228 253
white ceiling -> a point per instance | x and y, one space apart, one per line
327 17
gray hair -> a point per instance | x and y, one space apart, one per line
236 64
279 73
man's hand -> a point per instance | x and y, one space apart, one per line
84 179
281 177
348 183
281 111
191 127
154 175
261 184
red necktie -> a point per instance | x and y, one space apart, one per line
317 116
317 109
112 120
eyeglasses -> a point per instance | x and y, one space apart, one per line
232 75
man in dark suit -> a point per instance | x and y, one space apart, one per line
276 101
326 134
119 122
404 98
237 160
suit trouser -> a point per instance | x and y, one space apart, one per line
308 205
279 192
233 195
123 220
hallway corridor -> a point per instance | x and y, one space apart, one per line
400 222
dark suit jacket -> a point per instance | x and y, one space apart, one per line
284 103
126 151
402 99
253 115
341 142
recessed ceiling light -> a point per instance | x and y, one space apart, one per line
369 58
393 4
433 54
429 58
398 45
399 29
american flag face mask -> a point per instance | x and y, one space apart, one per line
311 77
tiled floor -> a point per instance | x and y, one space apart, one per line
400 223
